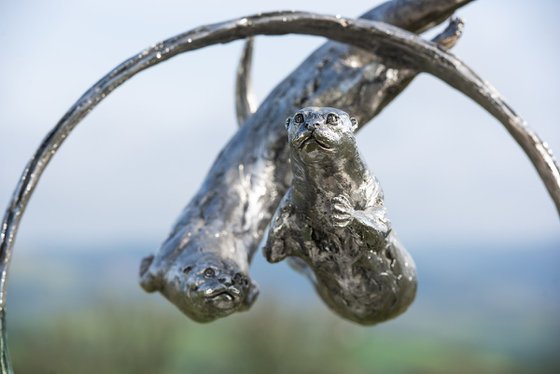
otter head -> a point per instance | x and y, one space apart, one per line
202 285
314 132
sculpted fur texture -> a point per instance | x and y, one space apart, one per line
202 282
332 223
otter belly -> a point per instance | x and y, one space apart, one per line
334 219
360 283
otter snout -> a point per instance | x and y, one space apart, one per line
237 279
225 280
311 126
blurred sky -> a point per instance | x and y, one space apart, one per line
450 172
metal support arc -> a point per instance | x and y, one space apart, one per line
5 365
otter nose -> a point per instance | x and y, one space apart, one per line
225 279
311 125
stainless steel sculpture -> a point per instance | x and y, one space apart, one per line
229 214
250 175
334 219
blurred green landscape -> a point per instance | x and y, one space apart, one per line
478 310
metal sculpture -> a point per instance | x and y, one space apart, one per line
334 220
251 174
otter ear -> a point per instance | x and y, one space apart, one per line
252 295
287 123
148 280
354 123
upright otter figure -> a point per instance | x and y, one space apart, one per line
333 222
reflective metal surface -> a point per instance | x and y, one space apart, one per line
222 225
333 218
5 364
250 175
244 98
408 14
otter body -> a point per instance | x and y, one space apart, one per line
333 223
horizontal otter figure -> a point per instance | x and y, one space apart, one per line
333 223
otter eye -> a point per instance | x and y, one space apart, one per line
332 119
187 269
298 118
209 273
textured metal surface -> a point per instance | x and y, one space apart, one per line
203 284
250 176
5 365
245 102
334 219
449 37
271 23
244 98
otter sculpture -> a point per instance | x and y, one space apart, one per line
333 223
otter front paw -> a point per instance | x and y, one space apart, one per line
343 211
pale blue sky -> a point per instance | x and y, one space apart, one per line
449 171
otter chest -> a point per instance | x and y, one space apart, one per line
324 245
